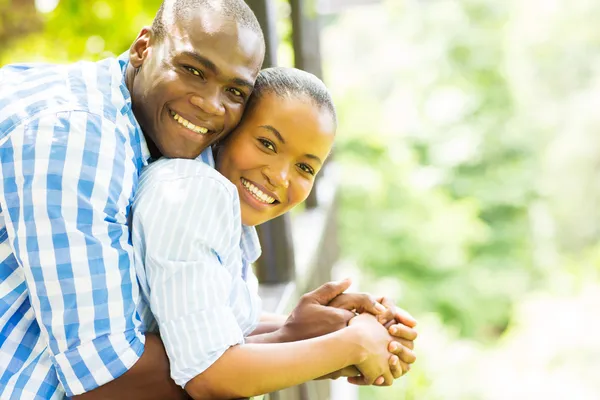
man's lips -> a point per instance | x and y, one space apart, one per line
194 126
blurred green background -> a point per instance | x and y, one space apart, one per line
470 151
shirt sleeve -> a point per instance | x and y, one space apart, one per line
191 240
66 182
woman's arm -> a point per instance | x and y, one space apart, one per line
252 369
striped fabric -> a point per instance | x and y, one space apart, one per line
70 156
192 257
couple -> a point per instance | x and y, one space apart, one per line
82 298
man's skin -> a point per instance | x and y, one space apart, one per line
204 71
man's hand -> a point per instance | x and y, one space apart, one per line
312 317
394 314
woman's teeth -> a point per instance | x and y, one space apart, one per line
257 193
188 124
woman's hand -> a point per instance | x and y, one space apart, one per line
400 325
374 340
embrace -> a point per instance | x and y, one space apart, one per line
129 193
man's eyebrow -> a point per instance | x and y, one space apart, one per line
211 65
276 133
202 60
243 82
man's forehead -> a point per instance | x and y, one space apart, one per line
225 43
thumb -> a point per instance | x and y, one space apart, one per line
327 292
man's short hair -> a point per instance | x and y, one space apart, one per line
177 10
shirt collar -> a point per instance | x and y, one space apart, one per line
249 243
123 60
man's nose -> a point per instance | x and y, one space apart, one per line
209 102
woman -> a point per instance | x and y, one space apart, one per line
194 240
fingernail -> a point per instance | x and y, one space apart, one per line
394 330
395 361
394 346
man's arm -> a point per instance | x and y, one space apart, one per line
64 195
149 378
269 322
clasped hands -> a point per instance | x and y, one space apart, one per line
391 329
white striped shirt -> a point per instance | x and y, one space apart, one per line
192 257
70 155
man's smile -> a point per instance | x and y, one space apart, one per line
187 124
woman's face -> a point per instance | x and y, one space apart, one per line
275 153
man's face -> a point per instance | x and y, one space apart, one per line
273 156
192 86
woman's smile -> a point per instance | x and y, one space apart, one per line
257 195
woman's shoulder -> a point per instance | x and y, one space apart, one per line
195 171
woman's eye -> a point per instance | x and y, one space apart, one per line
194 71
306 168
267 144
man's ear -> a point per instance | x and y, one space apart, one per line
139 50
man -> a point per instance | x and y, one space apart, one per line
73 140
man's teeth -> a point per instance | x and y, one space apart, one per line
257 193
188 124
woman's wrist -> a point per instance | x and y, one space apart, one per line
353 344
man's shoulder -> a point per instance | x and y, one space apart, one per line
28 91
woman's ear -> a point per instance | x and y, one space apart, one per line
140 49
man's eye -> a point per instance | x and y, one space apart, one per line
267 144
306 168
236 92
194 71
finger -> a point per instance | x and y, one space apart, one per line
405 367
327 292
379 381
395 348
395 367
357 380
403 332
400 315
361 302
350 371
404 317
369 380
386 317
390 308
388 379
407 355
343 315
406 343
370 305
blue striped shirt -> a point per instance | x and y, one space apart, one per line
192 257
70 155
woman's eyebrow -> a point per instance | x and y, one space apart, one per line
313 157
274 131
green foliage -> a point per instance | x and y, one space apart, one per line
76 29
453 227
